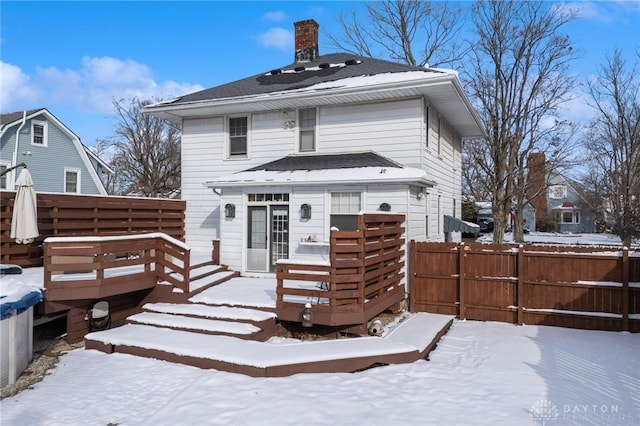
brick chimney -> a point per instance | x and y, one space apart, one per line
306 40
536 188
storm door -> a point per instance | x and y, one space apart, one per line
268 231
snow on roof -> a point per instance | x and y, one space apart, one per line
334 176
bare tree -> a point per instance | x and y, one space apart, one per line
477 166
614 142
407 31
145 152
519 77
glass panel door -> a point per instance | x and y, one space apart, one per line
279 234
257 251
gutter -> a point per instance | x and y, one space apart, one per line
217 185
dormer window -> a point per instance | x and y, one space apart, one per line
39 133
238 136
307 129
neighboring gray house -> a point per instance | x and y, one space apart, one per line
57 160
272 162
558 199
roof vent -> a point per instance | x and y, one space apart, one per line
275 72
350 62
324 65
297 69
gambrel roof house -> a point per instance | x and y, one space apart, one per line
55 156
272 162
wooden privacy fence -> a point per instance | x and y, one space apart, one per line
578 287
362 277
63 215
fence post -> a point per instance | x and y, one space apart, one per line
520 284
461 254
625 289
215 253
412 273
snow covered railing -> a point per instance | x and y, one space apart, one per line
362 278
98 267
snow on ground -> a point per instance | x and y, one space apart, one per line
481 373
553 238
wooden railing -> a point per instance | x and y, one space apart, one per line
78 268
64 215
363 277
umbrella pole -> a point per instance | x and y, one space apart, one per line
13 168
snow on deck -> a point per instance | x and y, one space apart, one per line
201 324
240 291
238 314
418 334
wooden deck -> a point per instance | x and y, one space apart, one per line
363 277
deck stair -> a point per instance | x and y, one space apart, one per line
248 324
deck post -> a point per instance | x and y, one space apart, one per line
215 253
520 284
461 291
625 289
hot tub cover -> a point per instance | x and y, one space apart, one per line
16 296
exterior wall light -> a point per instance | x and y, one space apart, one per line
385 207
229 211
305 211
307 316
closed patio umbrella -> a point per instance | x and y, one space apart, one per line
24 223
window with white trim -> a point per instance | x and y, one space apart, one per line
427 124
345 208
39 133
428 211
557 192
4 179
439 214
307 129
71 181
568 216
439 135
238 136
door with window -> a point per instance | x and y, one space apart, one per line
267 237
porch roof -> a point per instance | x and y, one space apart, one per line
349 175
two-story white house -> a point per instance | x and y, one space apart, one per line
272 162
55 156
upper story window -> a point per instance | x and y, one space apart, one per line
345 207
307 126
71 181
557 192
39 133
238 136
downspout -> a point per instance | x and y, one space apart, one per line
14 160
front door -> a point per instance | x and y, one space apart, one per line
268 237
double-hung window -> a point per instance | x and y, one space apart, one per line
307 125
71 181
39 133
238 136
345 207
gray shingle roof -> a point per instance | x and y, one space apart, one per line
326 161
15 116
325 68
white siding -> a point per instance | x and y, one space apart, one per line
232 240
392 129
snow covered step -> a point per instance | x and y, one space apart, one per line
201 282
195 325
258 359
211 312
264 321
